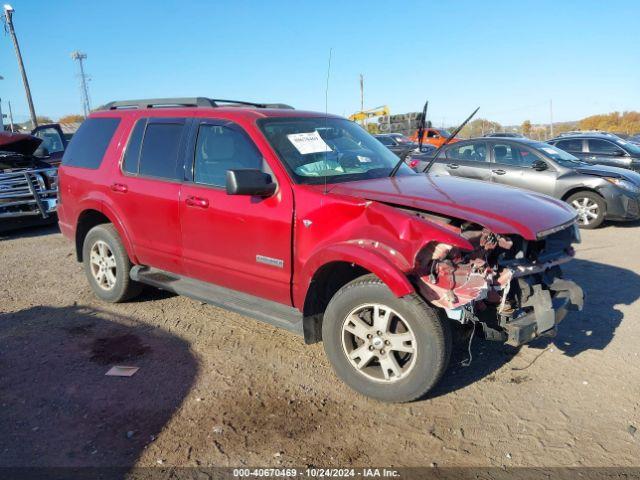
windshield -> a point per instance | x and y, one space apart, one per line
631 148
316 150
560 156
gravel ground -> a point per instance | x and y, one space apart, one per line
215 388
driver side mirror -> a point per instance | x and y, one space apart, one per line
539 165
249 181
618 153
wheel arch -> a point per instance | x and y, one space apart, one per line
327 272
581 188
89 218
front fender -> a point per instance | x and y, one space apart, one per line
371 256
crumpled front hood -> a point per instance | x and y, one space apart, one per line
500 208
607 171
21 143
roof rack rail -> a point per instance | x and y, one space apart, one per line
217 101
185 102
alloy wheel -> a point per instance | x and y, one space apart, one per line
103 265
378 343
587 210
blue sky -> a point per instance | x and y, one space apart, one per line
509 57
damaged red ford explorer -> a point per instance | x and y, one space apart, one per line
291 218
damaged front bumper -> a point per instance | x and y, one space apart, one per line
549 304
512 288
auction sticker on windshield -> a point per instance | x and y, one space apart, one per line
310 142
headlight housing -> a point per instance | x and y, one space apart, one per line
624 184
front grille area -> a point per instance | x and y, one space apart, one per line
27 192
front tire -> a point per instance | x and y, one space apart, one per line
107 265
389 348
591 209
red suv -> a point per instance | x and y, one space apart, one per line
292 218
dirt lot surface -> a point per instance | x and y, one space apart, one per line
215 388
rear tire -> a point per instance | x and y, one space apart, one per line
591 209
107 265
389 348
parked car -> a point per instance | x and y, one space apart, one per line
434 136
601 149
573 133
505 135
634 139
396 142
27 183
54 143
273 213
597 192
399 144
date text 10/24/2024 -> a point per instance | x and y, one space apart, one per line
316 472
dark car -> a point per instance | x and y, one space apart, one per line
54 143
505 135
396 142
597 192
601 149
399 144
28 184
635 139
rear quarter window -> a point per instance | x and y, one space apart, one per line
88 145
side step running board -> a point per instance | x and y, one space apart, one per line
276 314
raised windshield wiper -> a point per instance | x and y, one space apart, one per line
449 138
404 155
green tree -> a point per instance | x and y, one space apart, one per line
526 128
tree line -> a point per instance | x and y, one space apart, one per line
626 123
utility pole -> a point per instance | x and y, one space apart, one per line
79 56
362 95
551 117
10 117
1 115
8 15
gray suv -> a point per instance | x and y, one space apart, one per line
597 192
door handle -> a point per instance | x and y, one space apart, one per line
197 202
119 187
499 172
452 166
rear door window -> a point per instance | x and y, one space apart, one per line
90 142
574 145
160 149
